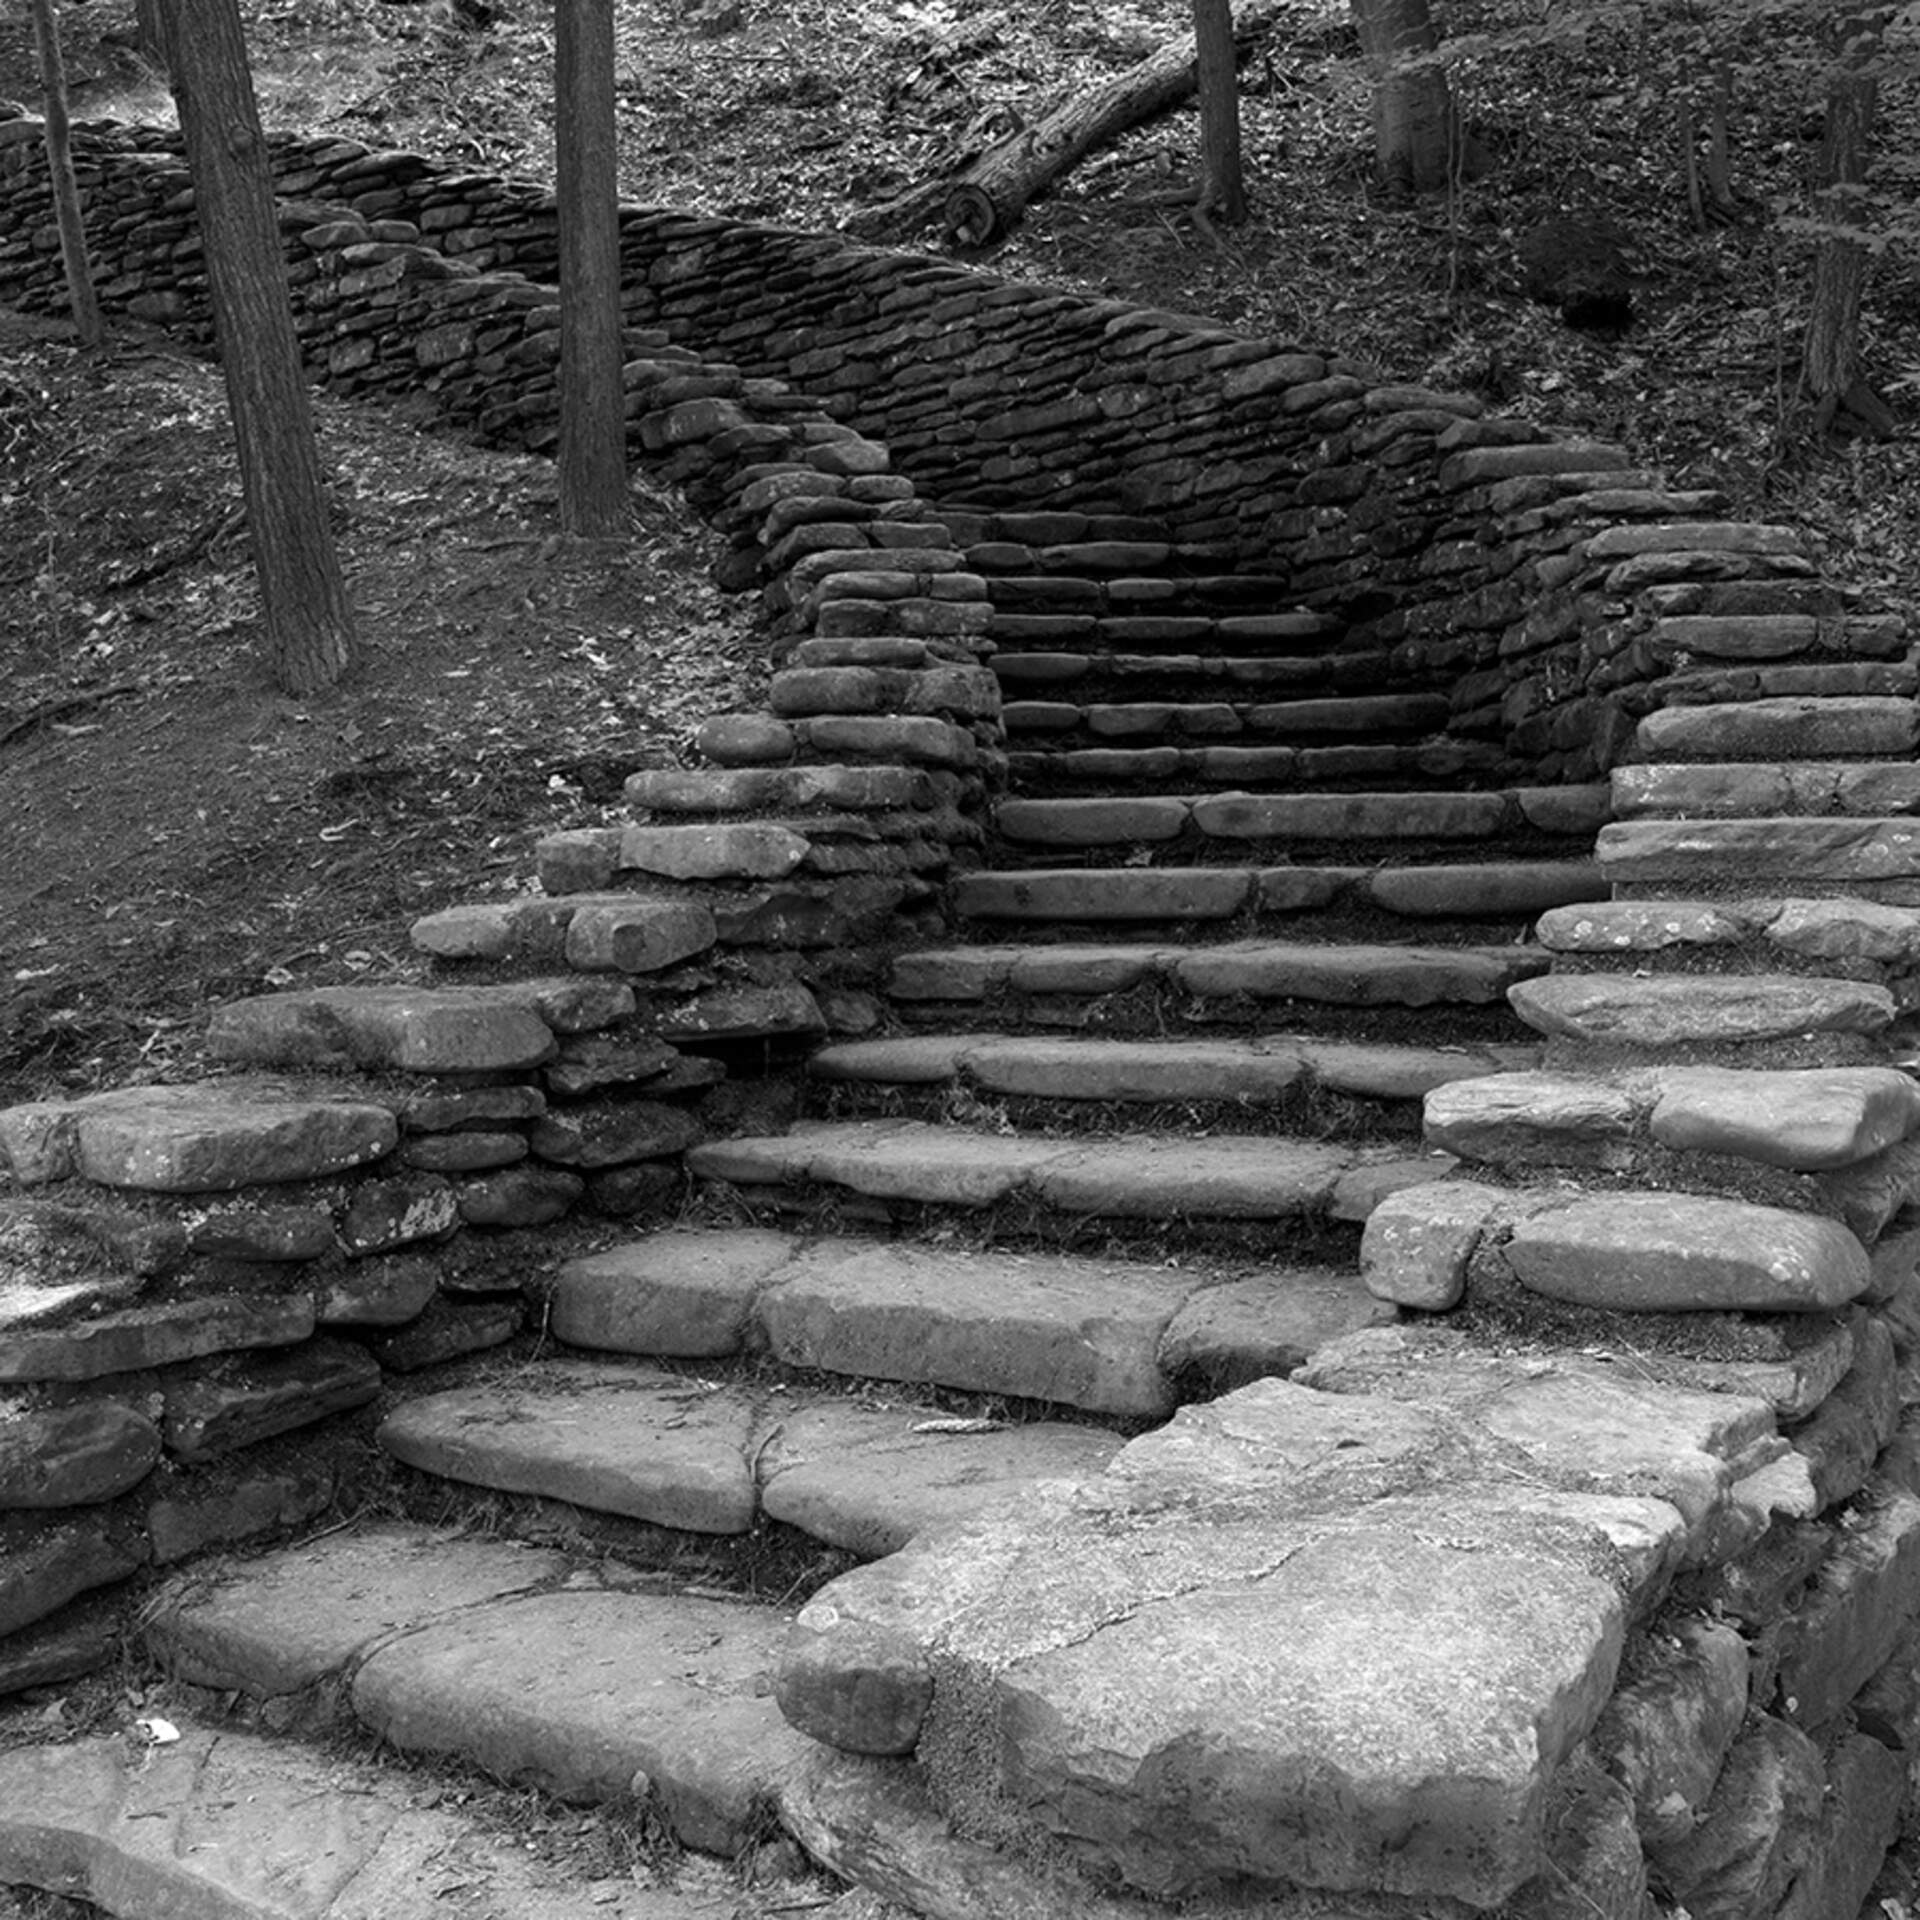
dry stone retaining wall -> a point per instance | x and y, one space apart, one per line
1547 583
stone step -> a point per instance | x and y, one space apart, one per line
1846 727
1099 770
1808 850
1304 822
1241 1073
697 1455
1118 1338
1062 725
1128 605
1699 932
1065 895
223 1821
1212 983
1141 1177
597 1687
1750 789
1029 672
1656 1014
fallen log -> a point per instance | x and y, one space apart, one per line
983 200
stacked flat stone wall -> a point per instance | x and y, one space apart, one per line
1480 553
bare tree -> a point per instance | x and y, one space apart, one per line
1223 185
1413 120
593 428
81 299
309 635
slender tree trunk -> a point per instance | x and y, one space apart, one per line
150 33
1223 188
308 625
1831 367
81 298
1413 123
593 427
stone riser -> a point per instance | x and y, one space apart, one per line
1224 770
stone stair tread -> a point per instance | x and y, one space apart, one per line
1836 927
1752 789
1176 1069
1669 1010
1138 1176
1797 727
1483 889
1353 974
531 1670
253 1828
1107 1336
711 1457
1802 849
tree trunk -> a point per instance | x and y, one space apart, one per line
1830 372
985 199
1413 123
1223 186
81 298
307 623
593 426
150 33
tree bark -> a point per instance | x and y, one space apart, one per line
1413 121
307 624
1224 185
81 298
593 427
150 33
985 199
1830 374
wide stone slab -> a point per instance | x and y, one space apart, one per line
225 1825
654 1446
1808 1121
294 1617
211 1137
1643 926
1803 728
1126 893
1350 816
601 1696
422 1029
1220 1663
1555 1117
681 1295
1364 976
1795 847
74 1453
1080 1333
1679 1253
868 1478
136 1337
1673 1010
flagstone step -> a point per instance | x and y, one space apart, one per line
1150 893
1155 1177
703 1456
1193 986
1061 725
1753 789
1121 1339
1841 727
1243 1073
1226 769
1559 821
1724 930
593 1685
1044 669
235 1824
1808 851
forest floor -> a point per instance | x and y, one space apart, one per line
177 832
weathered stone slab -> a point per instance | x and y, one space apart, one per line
472 1152
263 1233
760 852
137 1337
1134 1070
1858 726
627 1440
601 1697
1805 1120
868 1478
217 1509
1866 1789
895 1160
1120 893
592 1061
1680 1253
689 1295
216 1136
45 1562
741 1013
1079 1333
1553 1117
1090 823
1485 889
285 1621
1229 1177
1238 1331
82 1640
1671 1010
518 1197
1362 976
637 935
1350 816
1642 926
1417 1243
382 1214
447 1330
224 1825
1787 846
441 1109
1847 929
612 1132
415 1029
72 1454
1404 1073
241 1402
901 1060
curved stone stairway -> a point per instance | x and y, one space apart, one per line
1078 1332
